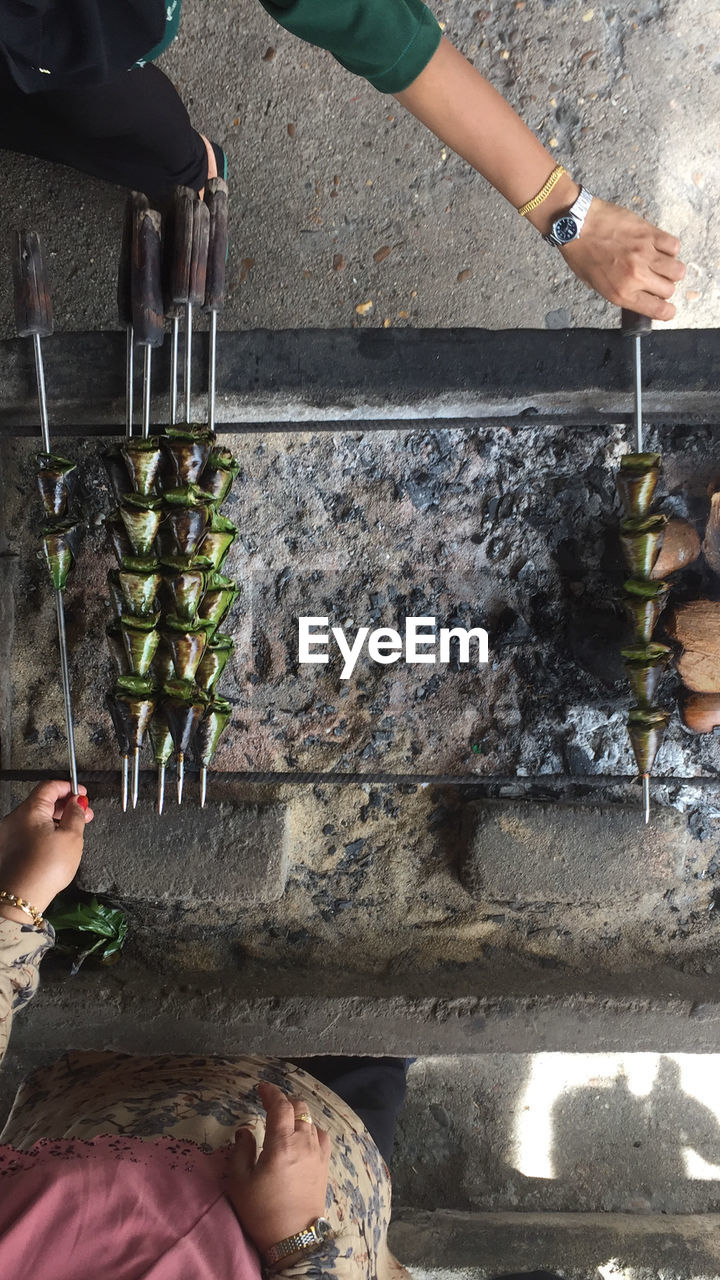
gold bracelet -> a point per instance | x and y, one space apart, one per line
544 192
13 900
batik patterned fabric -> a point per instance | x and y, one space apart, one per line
200 1101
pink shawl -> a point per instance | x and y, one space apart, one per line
120 1207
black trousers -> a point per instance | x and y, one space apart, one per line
374 1087
134 131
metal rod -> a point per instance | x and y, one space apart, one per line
638 396
147 381
203 784
161 788
174 369
129 382
65 680
136 777
124 783
180 776
646 796
42 398
188 358
211 370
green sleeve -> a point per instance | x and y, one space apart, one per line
389 42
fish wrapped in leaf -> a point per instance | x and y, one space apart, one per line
646 727
218 539
142 458
645 666
645 602
220 472
637 480
641 539
141 516
213 662
53 483
59 542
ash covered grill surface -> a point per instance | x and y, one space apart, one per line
514 531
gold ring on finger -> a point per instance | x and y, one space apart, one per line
305 1117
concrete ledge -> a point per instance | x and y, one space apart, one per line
315 375
581 1246
304 1013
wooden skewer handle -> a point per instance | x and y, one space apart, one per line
147 300
136 203
634 325
179 244
216 199
33 308
199 257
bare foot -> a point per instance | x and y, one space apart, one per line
212 162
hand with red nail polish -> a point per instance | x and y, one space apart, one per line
41 845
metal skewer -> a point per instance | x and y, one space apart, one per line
203 786
216 198
34 318
635 326
180 775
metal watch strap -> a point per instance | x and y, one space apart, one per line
578 211
307 1241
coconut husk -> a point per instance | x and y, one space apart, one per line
696 626
700 712
680 547
711 543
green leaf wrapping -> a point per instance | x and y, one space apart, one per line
220 594
641 540
59 543
220 472
143 458
140 646
141 517
187 645
183 592
646 728
53 483
210 730
213 662
188 451
637 480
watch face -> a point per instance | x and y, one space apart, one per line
565 229
323 1228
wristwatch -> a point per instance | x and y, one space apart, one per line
569 225
307 1241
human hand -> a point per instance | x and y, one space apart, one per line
41 845
630 262
283 1190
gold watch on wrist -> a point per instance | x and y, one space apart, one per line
307 1241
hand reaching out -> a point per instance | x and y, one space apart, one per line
626 259
283 1190
41 845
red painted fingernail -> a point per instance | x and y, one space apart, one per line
82 801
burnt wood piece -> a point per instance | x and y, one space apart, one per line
199 256
180 244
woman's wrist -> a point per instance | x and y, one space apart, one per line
561 198
8 912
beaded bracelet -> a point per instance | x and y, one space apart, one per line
544 192
13 900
